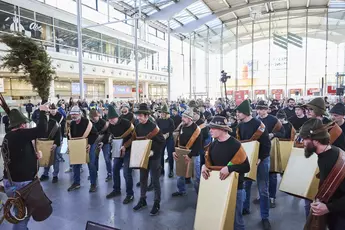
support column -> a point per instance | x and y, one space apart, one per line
324 90
287 56
306 55
146 90
80 49
52 91
236 79
109 88
169 62
252 72
194 66
221 57
136 50
269 56
207 65
190 65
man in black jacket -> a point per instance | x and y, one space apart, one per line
247 129
54 133
166 125
224 151
103 144
20 155
124 129
290 109
317 140
144 128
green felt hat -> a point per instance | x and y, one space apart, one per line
314 129
17 118
165 109
112 112
318 105
244 107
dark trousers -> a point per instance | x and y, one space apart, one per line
335 222
169 145
127 174
154 168
29 114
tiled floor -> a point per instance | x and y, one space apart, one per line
72 210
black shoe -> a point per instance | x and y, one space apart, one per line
245 212
266 224
155 209
44 178
113 194
93 188
171 174
138 184
272 203
55 180
188 181
108 178
128 199
176 194
150 187
73 187
141 205
256 201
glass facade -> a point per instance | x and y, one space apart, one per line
61 36
282 53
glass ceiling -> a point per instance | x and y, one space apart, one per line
228 11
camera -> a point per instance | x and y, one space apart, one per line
224 76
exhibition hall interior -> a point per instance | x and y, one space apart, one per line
167 59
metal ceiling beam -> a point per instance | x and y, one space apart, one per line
169 11
278 10
191 26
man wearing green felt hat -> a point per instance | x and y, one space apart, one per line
121 128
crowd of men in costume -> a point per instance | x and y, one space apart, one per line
199 128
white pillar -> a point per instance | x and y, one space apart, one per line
52 96
109 89
146 90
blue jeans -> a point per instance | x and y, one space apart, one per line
56 165
273 185
239 222
262 181
181 181
307 207
92 168
169 144
107 157
127 174
9 190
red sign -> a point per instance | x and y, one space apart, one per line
246 92
311 91
239 96
293 91
140 90
331 90
260 91
277 91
